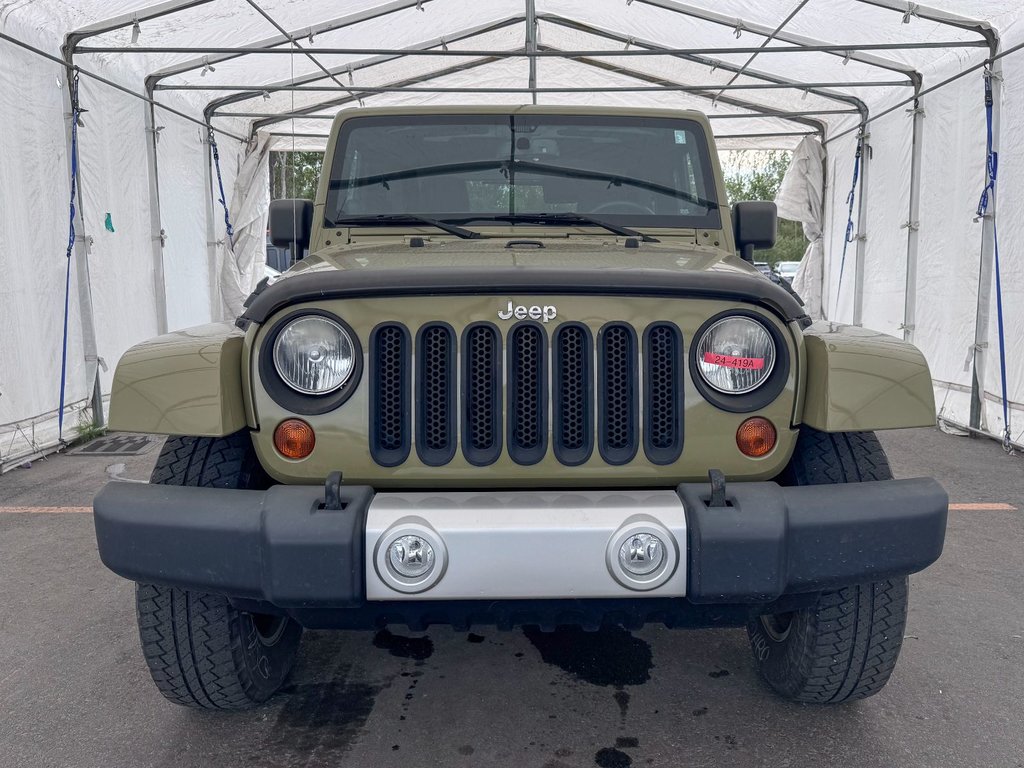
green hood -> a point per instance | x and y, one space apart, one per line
588 266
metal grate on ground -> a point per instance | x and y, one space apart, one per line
117 445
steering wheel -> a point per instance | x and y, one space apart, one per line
617 206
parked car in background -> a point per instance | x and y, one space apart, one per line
787 270
765 268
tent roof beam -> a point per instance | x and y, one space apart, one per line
771 135
155 11
269 118
767 41
263 119
294 41
983 28
771 81
856 53
759 111
341 22
715 63
839 49
252 91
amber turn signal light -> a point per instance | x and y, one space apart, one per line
756 437
294 439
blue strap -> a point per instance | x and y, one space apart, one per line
850 198
75 112
220 184
992 169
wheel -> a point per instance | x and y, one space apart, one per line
201 651
845 646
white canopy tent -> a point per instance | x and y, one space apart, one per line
895 89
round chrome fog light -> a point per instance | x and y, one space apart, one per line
642 555
410 557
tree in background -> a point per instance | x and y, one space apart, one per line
757 175
294 174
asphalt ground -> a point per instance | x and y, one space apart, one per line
74 690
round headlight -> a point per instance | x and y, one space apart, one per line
735 355
314 355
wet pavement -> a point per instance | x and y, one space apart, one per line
74 690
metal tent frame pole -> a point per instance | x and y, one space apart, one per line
768 80
854 52
251 93
86 317
862 229
836 49
531 45
302 83
985 266
913 223
157 233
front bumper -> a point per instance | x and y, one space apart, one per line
282 549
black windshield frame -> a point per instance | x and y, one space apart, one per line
709 218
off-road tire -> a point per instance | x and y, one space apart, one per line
201 651
844 647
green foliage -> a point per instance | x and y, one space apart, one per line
294 174
88 430
757 175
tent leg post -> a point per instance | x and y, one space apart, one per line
99 418
156 226
913 222
216 305
81 257
862 237
985 268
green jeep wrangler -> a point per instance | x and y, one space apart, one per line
528 375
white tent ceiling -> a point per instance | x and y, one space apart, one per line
768 73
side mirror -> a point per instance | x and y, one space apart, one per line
756 225
291 224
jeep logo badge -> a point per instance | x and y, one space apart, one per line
520 312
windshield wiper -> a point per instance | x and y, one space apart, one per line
513 165
384 219
556 219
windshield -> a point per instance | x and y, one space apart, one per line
647 172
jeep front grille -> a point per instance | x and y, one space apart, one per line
593 392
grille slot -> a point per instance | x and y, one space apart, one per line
572 390
435 402
617 410
527 394
481 394
663 393
389 392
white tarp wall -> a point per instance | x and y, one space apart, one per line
137 287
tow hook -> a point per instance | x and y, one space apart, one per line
332 492
717 488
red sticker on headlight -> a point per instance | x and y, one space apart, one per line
728 361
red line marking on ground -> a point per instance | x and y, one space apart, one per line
44 510
984 507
